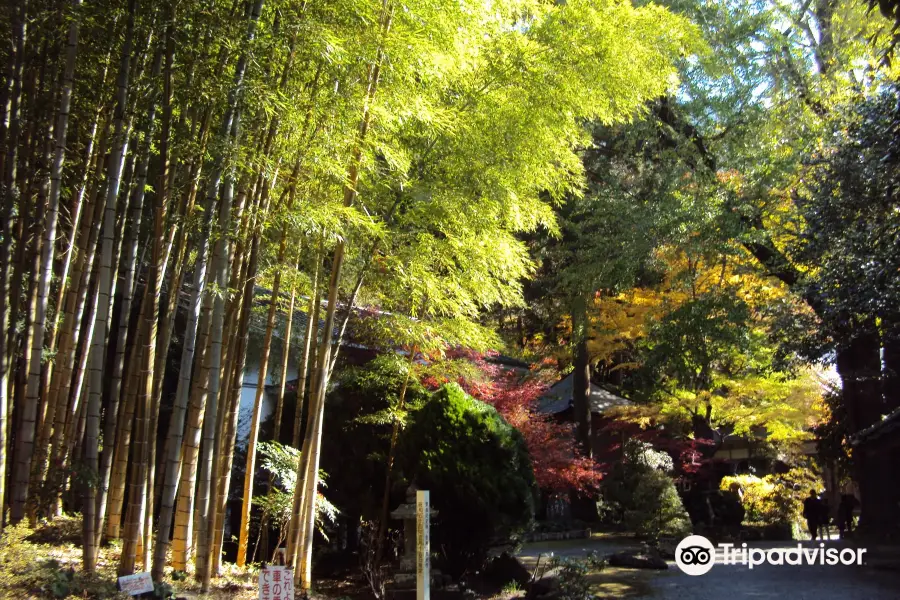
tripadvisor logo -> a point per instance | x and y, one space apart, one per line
696 555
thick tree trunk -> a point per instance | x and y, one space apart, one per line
61 345
230 419
859 366
73 312
583 507
208 454
125 420
142 526
206 508
190 335
28 413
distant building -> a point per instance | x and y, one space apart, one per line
877 449
559 400
558 403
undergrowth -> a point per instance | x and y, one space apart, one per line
44 563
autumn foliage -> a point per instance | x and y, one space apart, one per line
557 465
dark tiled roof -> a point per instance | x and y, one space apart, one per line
889 424
559 398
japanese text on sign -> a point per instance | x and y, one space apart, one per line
276 583
139 583
423 545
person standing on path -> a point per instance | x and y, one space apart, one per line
845 513
812 512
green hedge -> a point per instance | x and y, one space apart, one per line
478 471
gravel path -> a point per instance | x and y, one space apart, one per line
770 582
730 582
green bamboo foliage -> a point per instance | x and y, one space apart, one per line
163 160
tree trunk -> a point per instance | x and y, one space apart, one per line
232 384
76 298
184 513
213 363
309 483
61 342
311 333
581 392
583 507
175 438
125 419
250 470
261 387
206 509
98 343
230 419
392 450
28 413
33 393
859 366
285 357
8 198
130 244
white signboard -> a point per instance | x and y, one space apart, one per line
276 583
423 545
139 583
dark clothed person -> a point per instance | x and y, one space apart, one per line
845 510
812 512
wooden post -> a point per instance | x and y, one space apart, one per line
423 545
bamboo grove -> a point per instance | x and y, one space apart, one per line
168 168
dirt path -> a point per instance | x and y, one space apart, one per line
727 582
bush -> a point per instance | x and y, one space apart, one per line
641 496
478 470
360 412
773 500
657 508
572 579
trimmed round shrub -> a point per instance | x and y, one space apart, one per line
478 471
640 495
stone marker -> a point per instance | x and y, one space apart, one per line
423 545
139 583
276 583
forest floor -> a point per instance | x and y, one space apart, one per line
45 563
